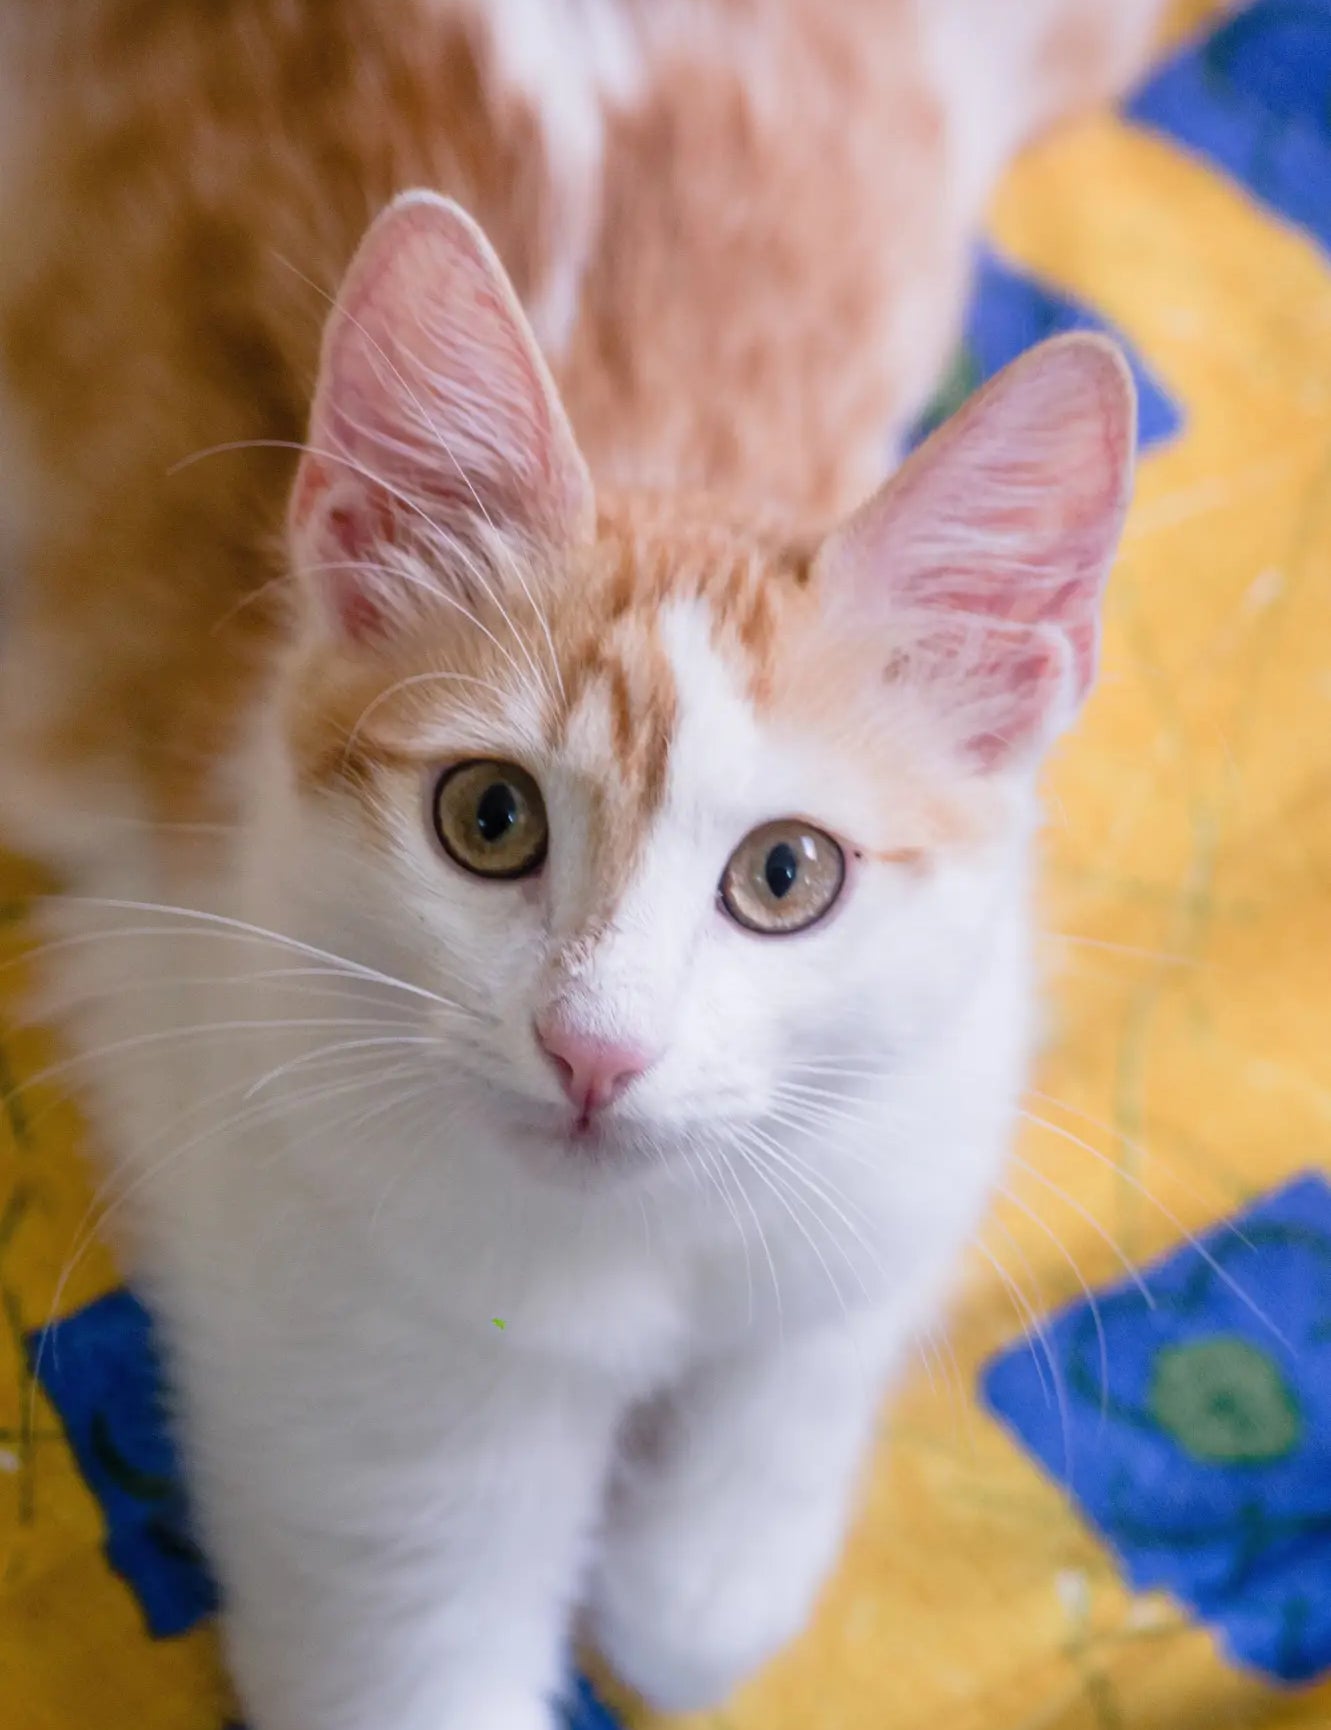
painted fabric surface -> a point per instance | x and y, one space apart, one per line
1190 1418
1186 1077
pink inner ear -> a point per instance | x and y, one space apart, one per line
350 535
357 531
1008 517
435 420
1023 680
356 609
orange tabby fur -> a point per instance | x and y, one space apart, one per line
763 230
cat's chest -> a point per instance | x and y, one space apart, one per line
643 1302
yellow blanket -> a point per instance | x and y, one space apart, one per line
1189 862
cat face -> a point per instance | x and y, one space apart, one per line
679 820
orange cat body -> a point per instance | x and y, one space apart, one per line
742 229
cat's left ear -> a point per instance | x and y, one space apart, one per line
436 428
980 566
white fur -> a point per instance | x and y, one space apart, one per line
406 1502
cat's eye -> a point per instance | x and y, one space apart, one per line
783 877
490 819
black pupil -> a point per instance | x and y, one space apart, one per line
496 812
780 869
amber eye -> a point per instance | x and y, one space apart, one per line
490 819
782 878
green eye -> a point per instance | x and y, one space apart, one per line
490 819
782 878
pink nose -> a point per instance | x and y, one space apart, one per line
591 1071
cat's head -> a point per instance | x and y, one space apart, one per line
677 823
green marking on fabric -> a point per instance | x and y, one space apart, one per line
1225 1402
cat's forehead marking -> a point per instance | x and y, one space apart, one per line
668 636
611 728
654 552
618 672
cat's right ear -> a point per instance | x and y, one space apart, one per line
979 568
436 428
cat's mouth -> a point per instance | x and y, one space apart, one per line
582 1135
575 1145
559 1142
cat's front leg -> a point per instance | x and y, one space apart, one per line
372 1585
729 1514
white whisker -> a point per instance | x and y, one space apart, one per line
238 927
716 1167
753 1156
1028 1318
437 678
1092 1301
1131 950
1222 1273
1138 1149
177 1035
299 1063
1084 1213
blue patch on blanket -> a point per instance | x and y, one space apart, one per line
99 1372
1010 311
1197 1440
99 1369
1254 98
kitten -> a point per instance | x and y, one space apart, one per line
552 966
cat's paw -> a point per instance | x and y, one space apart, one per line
683 1624
509 1715
482 1713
